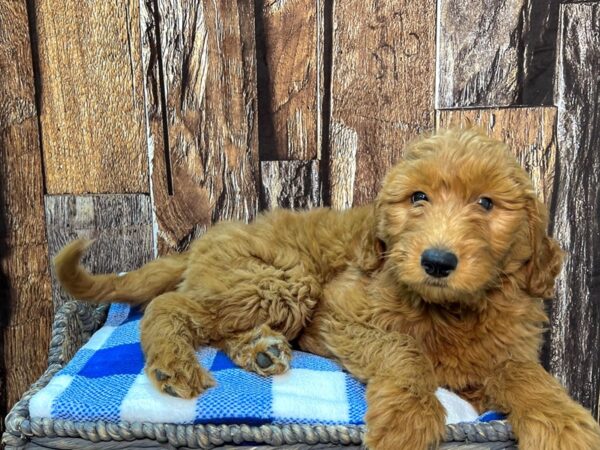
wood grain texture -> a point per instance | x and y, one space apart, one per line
208 82
575 328
289 53
121 225
529 133
25 304
495 52
92 102
290 184
381 91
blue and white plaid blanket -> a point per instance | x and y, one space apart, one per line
105 381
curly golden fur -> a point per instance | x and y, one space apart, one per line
354 285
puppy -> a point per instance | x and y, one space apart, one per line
438 283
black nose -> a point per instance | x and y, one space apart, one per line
438 263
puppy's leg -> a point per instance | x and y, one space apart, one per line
542 414
403 412
172 327
259 350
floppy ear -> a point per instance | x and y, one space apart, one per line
546 259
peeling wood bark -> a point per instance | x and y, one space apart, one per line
496 52
290 184
121 225
92 104
529 133
290 48
575 330
25 303
382 90
207 53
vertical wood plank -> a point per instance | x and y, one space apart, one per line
575 331
25 305
92 103
289 48
205 68
539 36
382 90
529 133
290 184
495 52
121 225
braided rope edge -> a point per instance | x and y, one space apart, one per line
20 427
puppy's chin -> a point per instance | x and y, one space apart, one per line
446 293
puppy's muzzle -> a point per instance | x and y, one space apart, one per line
438 263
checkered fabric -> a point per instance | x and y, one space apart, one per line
105 381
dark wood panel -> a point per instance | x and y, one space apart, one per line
91 92
205 71
25 303
496 52
529 133
289 65
290 184
381 93
540 31
121 225
575 331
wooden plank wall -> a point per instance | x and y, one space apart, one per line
25 302
142 123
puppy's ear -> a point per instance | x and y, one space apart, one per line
371 253
546 260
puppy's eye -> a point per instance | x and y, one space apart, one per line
486 203
419 197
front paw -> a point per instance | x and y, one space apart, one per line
183 378
400 419
573 429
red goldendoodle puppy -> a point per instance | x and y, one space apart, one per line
439 283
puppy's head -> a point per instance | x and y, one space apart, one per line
459 215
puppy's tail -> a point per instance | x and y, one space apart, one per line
136 287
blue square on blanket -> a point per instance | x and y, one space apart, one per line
93 399
222 362
128 333
80 359
121 360
240 397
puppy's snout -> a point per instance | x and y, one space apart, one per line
438 263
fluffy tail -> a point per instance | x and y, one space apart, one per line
136 287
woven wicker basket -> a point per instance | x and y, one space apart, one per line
73 326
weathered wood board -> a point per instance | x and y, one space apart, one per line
289 69
91 96
25 303
382 91
495 52
121 225
529 133
575 331
209 148
290 184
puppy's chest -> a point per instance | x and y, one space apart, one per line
462 357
